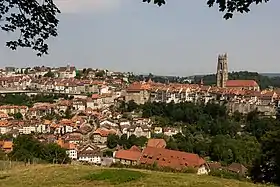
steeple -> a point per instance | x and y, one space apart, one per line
222 70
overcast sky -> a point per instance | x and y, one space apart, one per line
183 38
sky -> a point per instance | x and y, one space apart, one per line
183 37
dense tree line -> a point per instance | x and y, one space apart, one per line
114 141
211 132
23 99
263 81
26 148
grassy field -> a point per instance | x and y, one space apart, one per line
89 176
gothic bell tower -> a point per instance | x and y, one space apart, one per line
222 70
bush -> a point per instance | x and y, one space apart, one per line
226 174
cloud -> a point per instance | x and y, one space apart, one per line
86 6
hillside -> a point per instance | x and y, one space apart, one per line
88 176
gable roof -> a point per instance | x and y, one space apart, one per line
158 143
237 168
241 83
135 148
128 155
170 158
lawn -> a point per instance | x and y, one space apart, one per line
89 176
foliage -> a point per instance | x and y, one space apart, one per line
23 99
53 153
115 176
68 113
49 74
108 153
267 166
35 20
100 73
225 174
112 141
228 6
28 149
126 143
18 116
3 155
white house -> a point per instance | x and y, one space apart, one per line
90 154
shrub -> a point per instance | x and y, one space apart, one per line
226 174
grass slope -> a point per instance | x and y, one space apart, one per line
88 176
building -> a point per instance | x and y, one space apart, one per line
243 84
90 154
222 71
67 72
157 143
173 159
222 77
127 157
138 92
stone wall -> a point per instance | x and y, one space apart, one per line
244 108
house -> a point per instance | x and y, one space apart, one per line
237 168
215 166
157 143
67 72
138 92
7 146
71 148
158 130
170 131
100 135
13 109
127 157
173 159
90 154
267 98
5 126
139 131
79 104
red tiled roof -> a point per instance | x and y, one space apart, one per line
128 155
241 83
170 158
135 148
158 143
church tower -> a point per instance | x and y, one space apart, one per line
222 70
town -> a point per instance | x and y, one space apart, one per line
108 118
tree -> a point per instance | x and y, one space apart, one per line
228 6
112 141
35 20
18 115
53 153
26 148
266 168
3 155
49 74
